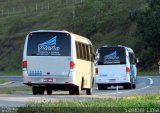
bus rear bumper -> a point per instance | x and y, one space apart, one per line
114 84
44 80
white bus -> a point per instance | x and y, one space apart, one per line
58 60
116 66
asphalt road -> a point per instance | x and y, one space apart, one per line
145 85
15 81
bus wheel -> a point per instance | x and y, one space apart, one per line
130 86
77 90
134 86
71 92
89 91
100 87
41 90
35 90
49 90
125 87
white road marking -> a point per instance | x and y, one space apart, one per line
6 83
151 80
126 91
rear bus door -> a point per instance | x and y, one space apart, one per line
49 53
112 64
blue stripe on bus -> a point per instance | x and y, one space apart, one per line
132 70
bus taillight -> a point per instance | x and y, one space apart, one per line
96 71
24 64
72 65
127 70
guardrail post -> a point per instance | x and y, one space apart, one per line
117 93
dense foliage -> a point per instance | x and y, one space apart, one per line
132 23
147 44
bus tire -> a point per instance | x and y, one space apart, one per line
78 90
130 86
35 90
89 91
134 86
71 92
41 90
93 83
100 87
125 87
49 90
82 83
104 87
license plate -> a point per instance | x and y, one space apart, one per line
49 80
112 80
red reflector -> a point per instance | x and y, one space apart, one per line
127 70
96 71
24 64
72 64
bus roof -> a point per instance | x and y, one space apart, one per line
127 48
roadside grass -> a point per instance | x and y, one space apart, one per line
2 80
12 73
11 90
148 73
129 104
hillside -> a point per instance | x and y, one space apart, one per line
105 22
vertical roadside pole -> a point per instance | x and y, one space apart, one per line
42 6
8 12
66 2
117 93
25 10
13 11
36 7
2 12
48 6
74 9
74 12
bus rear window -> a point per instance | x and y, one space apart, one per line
49 44
112 56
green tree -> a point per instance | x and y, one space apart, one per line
148 32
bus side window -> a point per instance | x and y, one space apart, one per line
77 49
85 51
81 51
88 55
132 58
